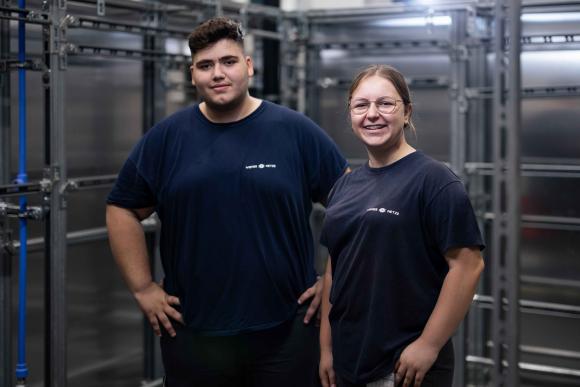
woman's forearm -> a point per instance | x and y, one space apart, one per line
325 334
465 267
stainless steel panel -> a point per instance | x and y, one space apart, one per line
551 127
551 196
553 254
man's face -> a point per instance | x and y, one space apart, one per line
221 74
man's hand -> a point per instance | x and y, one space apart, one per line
325 369
156 305
314 292
414 363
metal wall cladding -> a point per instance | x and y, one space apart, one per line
549 122
105 118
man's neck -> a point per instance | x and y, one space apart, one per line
239 112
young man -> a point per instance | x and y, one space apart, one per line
232 180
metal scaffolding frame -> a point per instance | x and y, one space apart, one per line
55 186
468 45
467 48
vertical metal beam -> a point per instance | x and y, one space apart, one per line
56 349
478 139
5 257
459 106
292 62
154 107
287 63
459 56
313 64
506 194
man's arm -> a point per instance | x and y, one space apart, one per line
127 241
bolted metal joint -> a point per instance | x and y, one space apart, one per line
46 185
13 210
7 243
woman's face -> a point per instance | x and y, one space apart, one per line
378 128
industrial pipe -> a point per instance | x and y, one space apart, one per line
22 178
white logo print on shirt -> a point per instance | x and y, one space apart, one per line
260 166
383 210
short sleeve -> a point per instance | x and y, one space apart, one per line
131 190
324 163
451 220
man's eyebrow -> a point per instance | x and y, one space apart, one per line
203 61
227 57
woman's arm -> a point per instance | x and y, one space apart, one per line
326 370
465 267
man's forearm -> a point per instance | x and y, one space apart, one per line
127 240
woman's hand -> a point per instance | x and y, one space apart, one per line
325 369
414 362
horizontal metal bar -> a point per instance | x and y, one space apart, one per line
442 45
26 11
25 19
187 5
544 39
124 53
543 221
537 280
415 82
523 366
96 23
535 307
549 92
20 189
528 92
553 352
528 170
80 183
353 14
82 236
551 370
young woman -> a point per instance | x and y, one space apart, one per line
405 252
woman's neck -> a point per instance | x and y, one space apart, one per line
381 158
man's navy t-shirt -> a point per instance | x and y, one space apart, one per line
387 230
234 202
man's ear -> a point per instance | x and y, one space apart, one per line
250 65
191 69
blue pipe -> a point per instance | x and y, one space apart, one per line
21 368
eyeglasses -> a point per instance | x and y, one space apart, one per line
385 105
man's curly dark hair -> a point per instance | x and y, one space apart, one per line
214 30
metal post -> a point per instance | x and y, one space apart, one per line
56 349
506 194
154 73
312 108
478 125
458 82
5 256
459 56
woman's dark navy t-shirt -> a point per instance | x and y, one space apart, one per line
234 202
387 230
